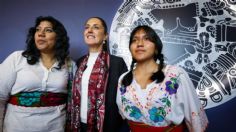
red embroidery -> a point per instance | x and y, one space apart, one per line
96 94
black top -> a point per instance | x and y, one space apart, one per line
113 120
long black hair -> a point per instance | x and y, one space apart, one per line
105 43
153 37
61 47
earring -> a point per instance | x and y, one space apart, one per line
104 42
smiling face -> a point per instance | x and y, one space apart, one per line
94 33
142 49
45 37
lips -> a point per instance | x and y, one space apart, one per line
41 41
140 50
90 36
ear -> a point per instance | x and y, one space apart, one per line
106 37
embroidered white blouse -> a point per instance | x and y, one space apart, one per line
161 104
17 76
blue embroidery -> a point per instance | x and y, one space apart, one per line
157 114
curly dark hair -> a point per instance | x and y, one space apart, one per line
153 37
61 47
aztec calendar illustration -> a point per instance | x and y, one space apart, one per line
197 35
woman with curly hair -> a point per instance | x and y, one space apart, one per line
153 96
33 83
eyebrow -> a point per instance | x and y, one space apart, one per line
42 27
135 36
92 25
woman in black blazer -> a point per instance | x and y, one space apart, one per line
92 104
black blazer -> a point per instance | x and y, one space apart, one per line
113 120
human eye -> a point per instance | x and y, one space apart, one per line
96 27
134 40
49 30
86 27
146 38
37 29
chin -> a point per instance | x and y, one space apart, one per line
41 49
92 44
140 59
143 59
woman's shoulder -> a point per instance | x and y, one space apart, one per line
122 75
116 61
116 58
16 55
71 65
15 58
79 60
173 68
70 61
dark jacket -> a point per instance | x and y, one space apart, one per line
113 120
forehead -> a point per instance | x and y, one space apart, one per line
45 24
140 32
93 21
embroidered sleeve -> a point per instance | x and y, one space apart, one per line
195 116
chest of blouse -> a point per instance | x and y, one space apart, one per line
38 78
152 104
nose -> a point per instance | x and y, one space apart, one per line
140 43
90 29
41 33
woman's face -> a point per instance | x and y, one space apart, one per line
94 33
45 37
142 49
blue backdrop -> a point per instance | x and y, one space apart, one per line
18 15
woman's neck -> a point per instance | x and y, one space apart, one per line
144 71
147 67
48 60
94 53
96 48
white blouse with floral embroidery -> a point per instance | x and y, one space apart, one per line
160 104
